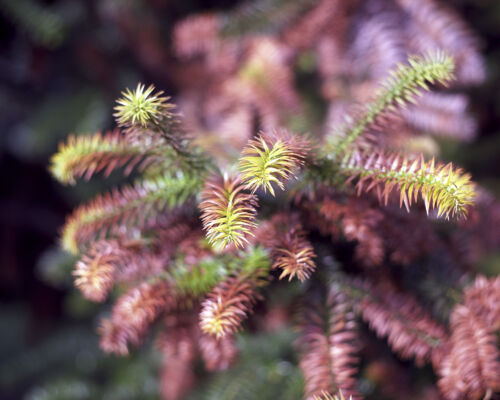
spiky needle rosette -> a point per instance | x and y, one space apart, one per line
272 159
141 106
441 186
228 213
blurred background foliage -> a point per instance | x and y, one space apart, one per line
62 64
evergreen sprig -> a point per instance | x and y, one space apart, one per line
441 186
201 278
404 85
271 159
291 251
409 328
328 344
231 301
228 213
134 205
89 154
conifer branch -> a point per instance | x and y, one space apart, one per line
358 222
471 369
150 122
483 298
138 204
110 261
228 213
443 115
295 258
410 330
272 159
152 137
434 25
199 278
177 345
94 272
133 313
196 280
292 253
328 346
204 278
90 154
441 186
230 302
404 84
142 107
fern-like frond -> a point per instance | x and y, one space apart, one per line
230 302
228 213
272 159
138 204
441 186
90 154
404 84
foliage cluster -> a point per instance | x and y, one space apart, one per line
227 201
